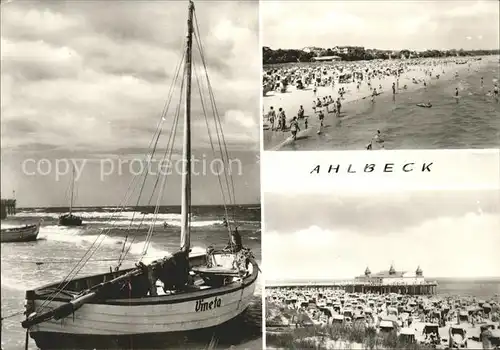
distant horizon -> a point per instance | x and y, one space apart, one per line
373 48
305 281
139 206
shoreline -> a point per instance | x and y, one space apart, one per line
329 318
293 98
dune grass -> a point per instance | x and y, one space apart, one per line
316 337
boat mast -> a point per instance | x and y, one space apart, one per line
72 188
186 171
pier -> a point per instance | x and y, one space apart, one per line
426 288
383 282
7 207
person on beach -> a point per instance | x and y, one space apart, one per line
378 138
314 106
300 113
235 244
281 120
394 88
321 117
271 115
294 128
374 94
482 83
339 106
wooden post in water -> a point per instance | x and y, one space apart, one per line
8 207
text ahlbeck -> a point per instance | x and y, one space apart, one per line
369 168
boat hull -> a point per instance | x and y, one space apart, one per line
70 220
20 234
145 322
228 333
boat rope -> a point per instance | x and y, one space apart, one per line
12 315
149 158
210 138
91 251
166 106
220 136
166 156
223 194
168 151
214 105
75 269
68 261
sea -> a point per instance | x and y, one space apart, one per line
471 121
57 250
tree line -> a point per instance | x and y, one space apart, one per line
271 56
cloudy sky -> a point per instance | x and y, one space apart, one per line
88 80
447 233
390 24
318 226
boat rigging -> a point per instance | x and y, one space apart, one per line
177 293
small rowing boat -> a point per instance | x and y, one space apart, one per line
24 233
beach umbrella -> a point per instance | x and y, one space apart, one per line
486 307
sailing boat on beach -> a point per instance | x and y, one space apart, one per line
69 219
141 307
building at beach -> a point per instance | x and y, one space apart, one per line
313 49
349 50
383 282
326 59
392 277
406 282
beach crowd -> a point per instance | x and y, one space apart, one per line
427 319
332 84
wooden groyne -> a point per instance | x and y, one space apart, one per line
426 288
7 207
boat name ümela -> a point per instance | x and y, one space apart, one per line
202 305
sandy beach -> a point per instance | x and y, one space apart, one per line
408 76
335 319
